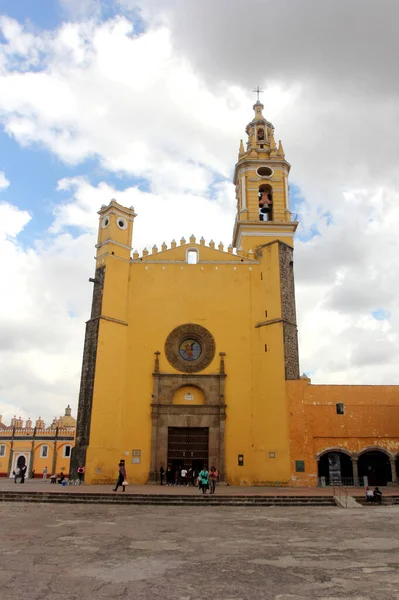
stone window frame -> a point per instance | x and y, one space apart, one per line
64 454
3 450
192 252
42 455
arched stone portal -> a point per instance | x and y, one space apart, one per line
201 420
336 467
376 465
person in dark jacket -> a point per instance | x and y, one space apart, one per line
161 474
121 477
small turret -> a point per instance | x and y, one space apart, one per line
115 230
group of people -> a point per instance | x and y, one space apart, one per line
20 473
180 476
373 495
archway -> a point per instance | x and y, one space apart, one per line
336 467
376 465
189 394
265 202
21 462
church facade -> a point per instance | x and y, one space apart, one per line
191 352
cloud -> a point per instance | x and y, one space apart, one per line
162 104
81 9
4 183
40 342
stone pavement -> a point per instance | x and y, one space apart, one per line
53 552
38 485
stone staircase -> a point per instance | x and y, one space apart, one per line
165 499
386 501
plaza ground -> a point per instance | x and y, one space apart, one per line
54 552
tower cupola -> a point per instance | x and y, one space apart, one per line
115 230
262 192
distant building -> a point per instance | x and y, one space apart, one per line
36 445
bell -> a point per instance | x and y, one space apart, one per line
265 209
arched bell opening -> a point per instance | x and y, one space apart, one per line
265 202
376 466
336 468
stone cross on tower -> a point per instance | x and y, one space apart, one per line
257 91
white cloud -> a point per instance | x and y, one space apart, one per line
40 288
4 183
168 106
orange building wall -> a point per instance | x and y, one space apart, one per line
371 420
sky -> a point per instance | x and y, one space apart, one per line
145 101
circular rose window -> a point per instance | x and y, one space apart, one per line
190 348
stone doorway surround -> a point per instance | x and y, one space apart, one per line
165 414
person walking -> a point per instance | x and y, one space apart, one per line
16 474
161 474
23 473
81 472
45 473
213 475
121 481
183 479
195 477
204 477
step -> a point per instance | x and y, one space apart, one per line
173 500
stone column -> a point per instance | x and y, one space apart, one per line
222 468
393 471
10 459
355 471
32 451
54 467
153 476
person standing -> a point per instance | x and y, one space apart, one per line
213 475
177 476
183 475
81 472
204 477
121 481
16 474
45 473
169 476
23 473
161 474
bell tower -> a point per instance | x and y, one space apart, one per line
261 180
115 230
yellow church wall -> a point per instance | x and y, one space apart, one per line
205 253
370 421
229 303
106 439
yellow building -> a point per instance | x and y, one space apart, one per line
37 446
188 348
191 352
